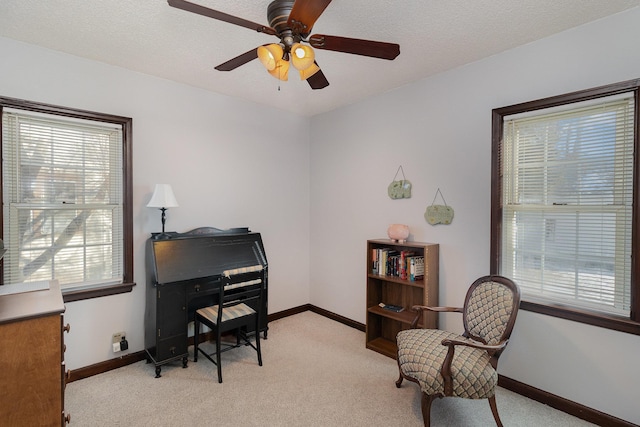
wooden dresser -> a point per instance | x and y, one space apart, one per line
32 366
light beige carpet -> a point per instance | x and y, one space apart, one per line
316 372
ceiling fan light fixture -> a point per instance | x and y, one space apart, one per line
302 56
281 70
291 22
269 55
309 71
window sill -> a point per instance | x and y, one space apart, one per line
71 295
620 324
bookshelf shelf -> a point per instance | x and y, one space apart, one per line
416 283
383 346
405 316
383 325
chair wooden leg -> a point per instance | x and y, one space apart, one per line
258 343
494 410
399 381
196 333
218 363
426 408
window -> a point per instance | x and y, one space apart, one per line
564 197
66 198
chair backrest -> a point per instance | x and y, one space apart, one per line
490 309
241 286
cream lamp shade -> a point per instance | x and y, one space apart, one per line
309 71
269 55
272 56
163 197
281 71
302 56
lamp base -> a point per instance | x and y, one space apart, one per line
164 235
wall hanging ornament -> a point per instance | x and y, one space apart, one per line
439 214
400 189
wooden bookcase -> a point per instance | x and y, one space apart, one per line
383 325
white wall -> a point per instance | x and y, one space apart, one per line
225 167
439 130
226 171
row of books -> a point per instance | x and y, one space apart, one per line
406 265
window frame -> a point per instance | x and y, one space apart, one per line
629 324
127 191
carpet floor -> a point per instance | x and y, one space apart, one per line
316 372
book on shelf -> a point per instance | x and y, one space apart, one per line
382 256
374 261
392 262
391 307
383 261
416 268
404 264
404 259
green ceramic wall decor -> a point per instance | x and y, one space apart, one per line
439 214
399 189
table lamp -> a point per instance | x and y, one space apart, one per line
163 198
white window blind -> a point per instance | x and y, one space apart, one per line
567 204
63 201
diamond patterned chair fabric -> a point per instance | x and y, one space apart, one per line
241 294
448 364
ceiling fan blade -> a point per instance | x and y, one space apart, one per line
234 63
318 80
305 13
371 48
205 11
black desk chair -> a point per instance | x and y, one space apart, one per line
241 294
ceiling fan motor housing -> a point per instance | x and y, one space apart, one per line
278 14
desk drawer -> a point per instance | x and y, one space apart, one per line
171 347
201 295
194 290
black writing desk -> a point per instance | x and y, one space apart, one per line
183 274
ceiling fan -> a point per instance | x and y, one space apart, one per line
291 21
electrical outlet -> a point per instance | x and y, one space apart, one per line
118 338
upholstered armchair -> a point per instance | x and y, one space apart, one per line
448 364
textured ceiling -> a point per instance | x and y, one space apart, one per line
151 37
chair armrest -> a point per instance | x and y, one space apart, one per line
439 309
475 344
445 370
419 309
